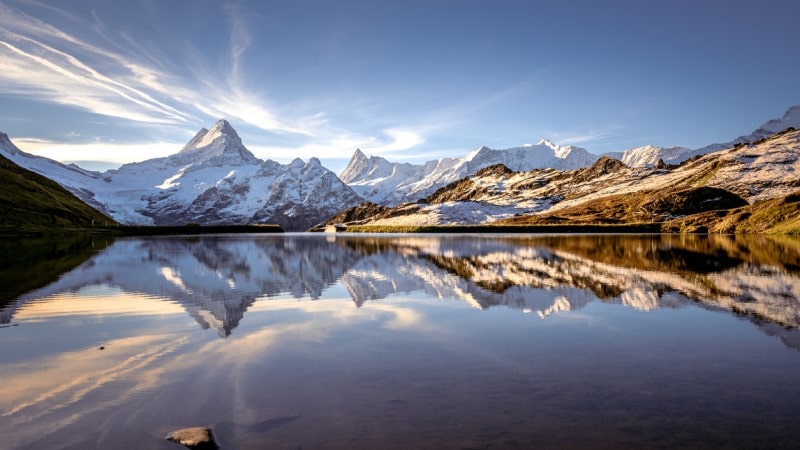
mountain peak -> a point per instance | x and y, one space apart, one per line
223 127
222 130
195 140
792 116
221 144
358 167
6 145
548 143
474 154
790 119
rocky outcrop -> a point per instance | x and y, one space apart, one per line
353 216
196 438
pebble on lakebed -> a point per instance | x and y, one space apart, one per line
199 438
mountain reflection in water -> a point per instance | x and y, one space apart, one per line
406 341
216 279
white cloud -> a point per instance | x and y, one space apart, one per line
31 66
110 74
97 151
240 39
584 138
41 61
400 140
330 144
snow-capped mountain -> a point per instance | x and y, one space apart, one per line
214 179
390 183
649 155
384 182
790 119
722 180
73 178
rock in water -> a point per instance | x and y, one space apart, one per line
199 438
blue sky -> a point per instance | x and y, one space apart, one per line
94 80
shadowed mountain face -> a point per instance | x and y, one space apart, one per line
32 203
216 279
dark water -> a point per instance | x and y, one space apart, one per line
313 341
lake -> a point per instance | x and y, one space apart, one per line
401 341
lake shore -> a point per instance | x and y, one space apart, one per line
539 229
139 230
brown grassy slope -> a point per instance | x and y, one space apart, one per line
775 216
725 214
639 207
353 215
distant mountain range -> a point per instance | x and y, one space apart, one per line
389 183
381 181
757 183
215 179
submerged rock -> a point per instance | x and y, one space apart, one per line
199 438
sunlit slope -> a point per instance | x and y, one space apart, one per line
745 189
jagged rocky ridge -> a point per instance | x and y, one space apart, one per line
611 192
384 182
214 179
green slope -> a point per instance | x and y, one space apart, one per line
33 204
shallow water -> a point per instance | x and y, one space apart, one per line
412 341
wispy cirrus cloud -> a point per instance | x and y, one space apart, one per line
32 64
88 63
574 139
240 39
45 63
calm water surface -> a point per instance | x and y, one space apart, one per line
314 341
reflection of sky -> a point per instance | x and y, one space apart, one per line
60 380
96 301
407 362
392 340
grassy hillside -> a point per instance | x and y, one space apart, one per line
33 204
774 216
638 207
725 212
750 188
